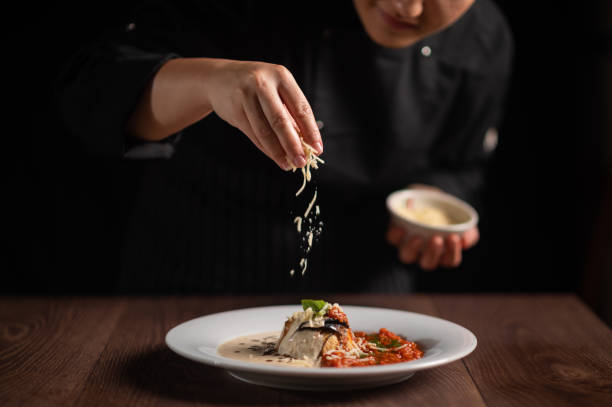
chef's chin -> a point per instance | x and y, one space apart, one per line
384 29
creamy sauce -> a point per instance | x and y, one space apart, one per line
251 348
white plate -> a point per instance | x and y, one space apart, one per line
442 341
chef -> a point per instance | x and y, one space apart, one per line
211 101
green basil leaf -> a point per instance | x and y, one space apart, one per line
316 305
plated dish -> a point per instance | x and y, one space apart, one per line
201 339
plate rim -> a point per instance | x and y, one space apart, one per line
236 365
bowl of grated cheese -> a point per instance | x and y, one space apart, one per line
425 212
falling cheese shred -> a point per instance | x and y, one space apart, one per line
312 162
298 221
314 198
303 183
304 264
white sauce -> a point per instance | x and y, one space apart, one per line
250 348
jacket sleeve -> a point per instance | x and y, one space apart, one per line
100 85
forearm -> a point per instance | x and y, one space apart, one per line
263 100
175 98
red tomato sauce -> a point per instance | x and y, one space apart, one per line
382 348
335 313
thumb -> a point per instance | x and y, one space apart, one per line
470 238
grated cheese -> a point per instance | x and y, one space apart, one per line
298 220
303 183
312 161
314 198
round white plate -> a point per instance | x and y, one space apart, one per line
442 341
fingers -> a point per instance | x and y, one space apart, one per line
265 100
281 123
470 238
437 251
301 111
410 251
262 134
424 186
395 235
432 253
452 251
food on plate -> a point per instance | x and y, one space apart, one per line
320 336
319 328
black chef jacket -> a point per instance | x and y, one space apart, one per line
210 213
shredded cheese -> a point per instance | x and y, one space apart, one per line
314 198
298 220
312 160
303 183
354 353
373 346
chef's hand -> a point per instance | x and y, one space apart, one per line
265 102
437 251
262 100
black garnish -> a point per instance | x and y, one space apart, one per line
330 324
268 350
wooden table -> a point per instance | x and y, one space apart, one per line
533 350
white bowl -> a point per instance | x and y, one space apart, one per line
463 216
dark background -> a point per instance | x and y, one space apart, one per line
546 226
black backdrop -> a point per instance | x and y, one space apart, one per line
544 196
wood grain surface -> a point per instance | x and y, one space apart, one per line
533 350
